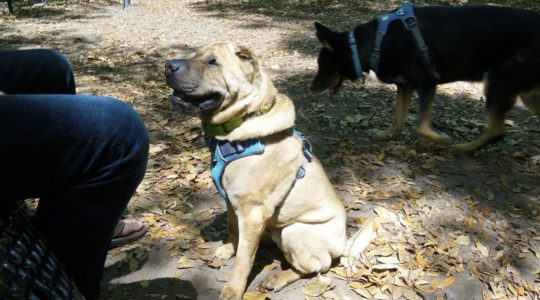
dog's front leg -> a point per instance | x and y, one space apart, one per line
251 224
229 249
403 102
426 97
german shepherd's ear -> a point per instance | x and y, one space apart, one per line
329 38
250 62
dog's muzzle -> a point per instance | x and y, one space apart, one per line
185 96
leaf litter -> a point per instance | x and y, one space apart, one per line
443 221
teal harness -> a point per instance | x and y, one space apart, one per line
225 152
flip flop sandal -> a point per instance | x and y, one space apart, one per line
119 241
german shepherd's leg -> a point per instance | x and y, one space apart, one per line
403 102
426 97
227 251
251 223
500 99
531 100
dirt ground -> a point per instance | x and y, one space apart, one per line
450 226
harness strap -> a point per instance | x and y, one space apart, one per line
225 152
355 56
404 13
307 150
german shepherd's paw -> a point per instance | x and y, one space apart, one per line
230 292
437 138
225 252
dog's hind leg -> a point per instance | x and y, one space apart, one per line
426 97
403 102
309 248
501 95
531 100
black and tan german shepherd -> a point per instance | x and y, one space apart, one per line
496 44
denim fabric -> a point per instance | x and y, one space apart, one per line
83 156
35 71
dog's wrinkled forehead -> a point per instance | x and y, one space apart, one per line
221 52
229 58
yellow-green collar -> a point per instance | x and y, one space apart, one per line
220 129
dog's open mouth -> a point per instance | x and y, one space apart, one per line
195 103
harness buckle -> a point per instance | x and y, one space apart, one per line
226 149
239 147
411 22
300 173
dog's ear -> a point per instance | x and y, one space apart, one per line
250 62
329 38
244 52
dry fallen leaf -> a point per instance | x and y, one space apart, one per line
420 259
183 263
254 295
463 240
388 260
484 251
363 292
443 283
317 287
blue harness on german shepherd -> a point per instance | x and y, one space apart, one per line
225 152
404 13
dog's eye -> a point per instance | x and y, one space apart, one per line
212 62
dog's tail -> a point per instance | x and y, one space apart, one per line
356 245
361 239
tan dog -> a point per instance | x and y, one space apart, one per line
225 85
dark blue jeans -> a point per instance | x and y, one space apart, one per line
83 156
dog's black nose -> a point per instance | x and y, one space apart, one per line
175 65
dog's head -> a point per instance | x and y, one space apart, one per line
218 81
335 62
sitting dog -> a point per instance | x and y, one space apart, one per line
419 48
271 180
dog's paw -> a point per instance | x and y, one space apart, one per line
230 292
225 252
463 148
443 139
437 138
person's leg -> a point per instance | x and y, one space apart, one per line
83 158
36 71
